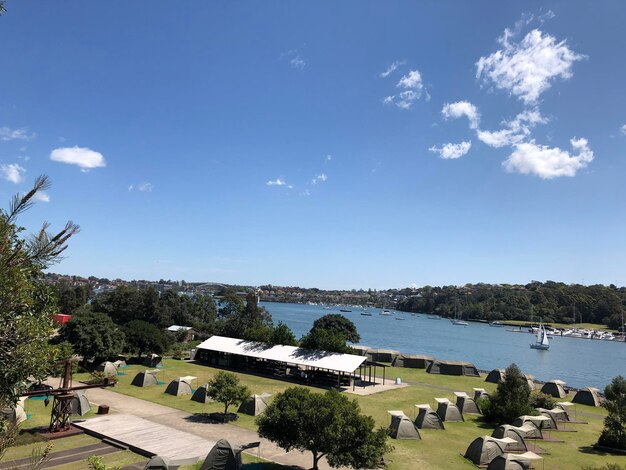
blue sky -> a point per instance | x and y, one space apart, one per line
327 144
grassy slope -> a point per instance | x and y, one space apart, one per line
437 449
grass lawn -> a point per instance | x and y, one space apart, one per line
436 450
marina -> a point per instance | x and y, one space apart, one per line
579 362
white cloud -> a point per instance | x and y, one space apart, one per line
83 157
145 187
452 151
7 134
12 172
329 158
131 187
41 196
412 87
528 68
460 109
294 58
514 132
623 129
392 68
278 182
319 178
546 162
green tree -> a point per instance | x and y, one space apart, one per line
225 388
26 304
282 334
339 324
327 424
324 340
511 399
143 337
93 334
614 432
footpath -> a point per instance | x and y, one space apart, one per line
187 422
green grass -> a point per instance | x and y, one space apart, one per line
436 450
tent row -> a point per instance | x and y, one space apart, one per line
493 453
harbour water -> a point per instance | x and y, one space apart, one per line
579 362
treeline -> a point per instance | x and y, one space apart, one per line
553 301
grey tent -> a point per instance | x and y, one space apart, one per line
413 361
530 379
119 363
145 378
158 463
587 396
452 368
563 406
382 355
15 414
495 376
448 411
80 404
402 427
556 413
108 368
200 395
465 403
480 393
513 461
178 387
153 360
515 433
254 405
554 388
484 449
427 418
532 425
223 456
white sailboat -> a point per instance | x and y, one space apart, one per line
457 318
542 339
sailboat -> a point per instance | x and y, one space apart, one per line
542 339
457 318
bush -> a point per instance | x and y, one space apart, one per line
541 400
614 432
512 398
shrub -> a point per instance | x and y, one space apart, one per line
541 400
512 398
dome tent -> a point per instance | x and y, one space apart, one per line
179 386
200 395
145 378
448 411
587 396
427 418
465 403
223 456
513 461
402 427
484 449
554 388
254 405
80 404
495 376
108 368
515 433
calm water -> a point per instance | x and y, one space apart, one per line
579 362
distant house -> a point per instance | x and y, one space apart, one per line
191 333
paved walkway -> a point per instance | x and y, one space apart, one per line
188 422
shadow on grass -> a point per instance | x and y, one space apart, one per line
212 418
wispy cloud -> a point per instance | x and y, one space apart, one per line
514 131
82 157
528 68
546 162
41 196
452 151
460 109
6 134
392 68
145 187
623 129
330 157
294 59
278 182
319 178
12 172
412 87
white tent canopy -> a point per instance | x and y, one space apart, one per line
347 363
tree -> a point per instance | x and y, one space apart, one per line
324 340
614 432
224 388
327 424
93 334
143 337
512 398
26 304
338 324
282 334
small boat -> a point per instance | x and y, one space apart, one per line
384 313
345 310
399 318
457 319
542 339
496 324
365 313
434 317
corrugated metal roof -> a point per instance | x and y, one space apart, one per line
304 357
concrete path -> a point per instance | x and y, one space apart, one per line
188 422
